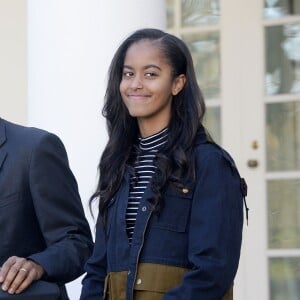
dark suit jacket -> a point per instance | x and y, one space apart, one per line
41 214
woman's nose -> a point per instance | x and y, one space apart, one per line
136 82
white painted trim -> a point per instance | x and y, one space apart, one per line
283 175
283 253
281 21
282 98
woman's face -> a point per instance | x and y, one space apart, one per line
147 86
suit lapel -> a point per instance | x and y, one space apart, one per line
3 152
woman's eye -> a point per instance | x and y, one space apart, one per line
127 74
150 74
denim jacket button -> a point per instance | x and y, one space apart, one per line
128 273
144 208
185 190
139 281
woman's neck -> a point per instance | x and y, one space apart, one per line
149 128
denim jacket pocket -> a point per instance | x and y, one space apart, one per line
175 211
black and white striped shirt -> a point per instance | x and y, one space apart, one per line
144 170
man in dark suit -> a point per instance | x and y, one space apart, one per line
44 233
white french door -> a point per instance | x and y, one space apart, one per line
247 60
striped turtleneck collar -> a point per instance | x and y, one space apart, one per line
155 141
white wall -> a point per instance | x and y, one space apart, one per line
70 45
13 60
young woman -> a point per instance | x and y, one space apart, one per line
170 200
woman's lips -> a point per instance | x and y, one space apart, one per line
137 97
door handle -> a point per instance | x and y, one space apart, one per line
252 163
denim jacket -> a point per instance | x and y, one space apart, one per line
198 229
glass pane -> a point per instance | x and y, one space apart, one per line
284 278
282 59
170 13
205 49
212 122
278 8
196 13
283 136
284 213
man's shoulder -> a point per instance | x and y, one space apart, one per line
22 133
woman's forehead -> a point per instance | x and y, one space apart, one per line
145 50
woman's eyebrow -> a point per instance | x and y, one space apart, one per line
127 67
152 66
145 68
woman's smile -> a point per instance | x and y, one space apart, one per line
138 97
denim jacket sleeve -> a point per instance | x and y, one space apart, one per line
215 230
95 267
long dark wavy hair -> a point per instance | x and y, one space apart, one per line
175 162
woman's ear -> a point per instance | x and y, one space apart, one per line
178 84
